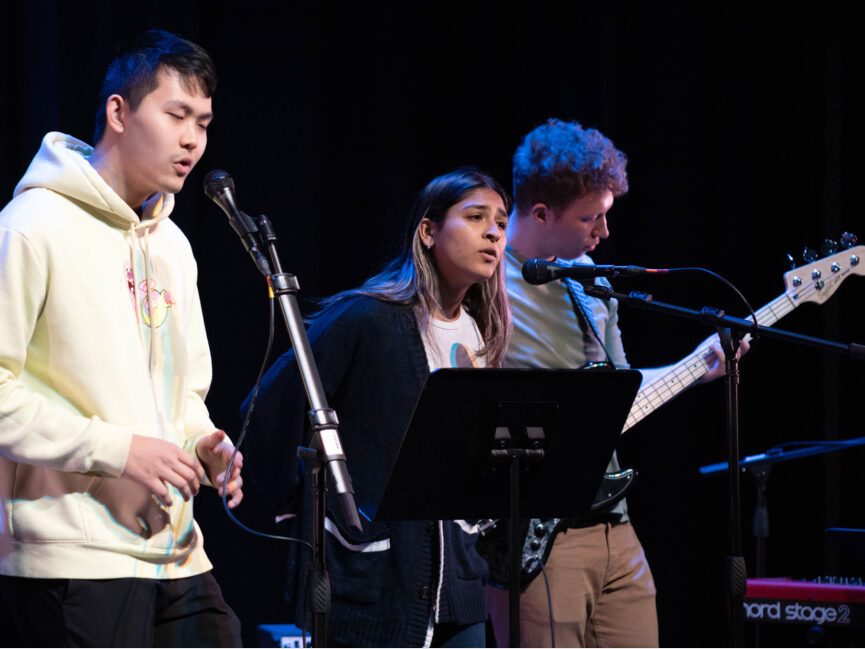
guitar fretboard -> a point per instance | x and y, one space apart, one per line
689 370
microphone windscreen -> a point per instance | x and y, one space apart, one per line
217 180
535 271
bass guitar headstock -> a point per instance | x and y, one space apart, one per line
817 279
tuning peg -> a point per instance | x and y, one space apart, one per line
791 261
848 240
809 255
828 248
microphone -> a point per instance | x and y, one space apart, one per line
540 271
219 188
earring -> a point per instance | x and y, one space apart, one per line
429 246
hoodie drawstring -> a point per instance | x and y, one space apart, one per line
139 312
147 280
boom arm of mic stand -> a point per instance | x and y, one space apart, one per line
717 318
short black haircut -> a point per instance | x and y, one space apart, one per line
134 72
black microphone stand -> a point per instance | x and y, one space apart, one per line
760 466
731 331
326 449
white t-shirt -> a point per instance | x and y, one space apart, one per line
453 344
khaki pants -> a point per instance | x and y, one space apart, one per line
603 594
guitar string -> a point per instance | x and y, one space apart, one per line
650 397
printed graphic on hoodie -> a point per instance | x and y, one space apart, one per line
153 303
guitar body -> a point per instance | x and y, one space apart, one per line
539 534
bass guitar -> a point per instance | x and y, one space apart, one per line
815 281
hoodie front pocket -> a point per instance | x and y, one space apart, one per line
48 505
122 511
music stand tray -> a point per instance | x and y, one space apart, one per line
444 469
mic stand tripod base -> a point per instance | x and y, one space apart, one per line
317 579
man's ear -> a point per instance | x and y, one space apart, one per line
115 114
541 212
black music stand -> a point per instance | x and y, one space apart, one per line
506 443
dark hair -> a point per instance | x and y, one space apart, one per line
133 73
412 278
558 162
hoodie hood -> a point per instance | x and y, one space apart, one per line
63 166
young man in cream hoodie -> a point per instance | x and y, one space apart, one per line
104 366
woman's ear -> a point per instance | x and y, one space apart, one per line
427 231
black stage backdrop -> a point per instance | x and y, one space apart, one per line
742 129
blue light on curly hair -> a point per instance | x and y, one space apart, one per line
560 161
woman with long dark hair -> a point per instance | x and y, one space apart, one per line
440 303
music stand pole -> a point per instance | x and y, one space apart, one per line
534 453
513 544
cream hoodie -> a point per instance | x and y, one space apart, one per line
101 337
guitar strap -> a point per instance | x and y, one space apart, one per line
538 534
593 344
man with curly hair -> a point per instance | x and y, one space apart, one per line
566 179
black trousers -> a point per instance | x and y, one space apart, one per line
118 612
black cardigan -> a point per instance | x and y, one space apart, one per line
372 365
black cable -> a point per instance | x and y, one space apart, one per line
580 309
549 599
243 429
725 281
